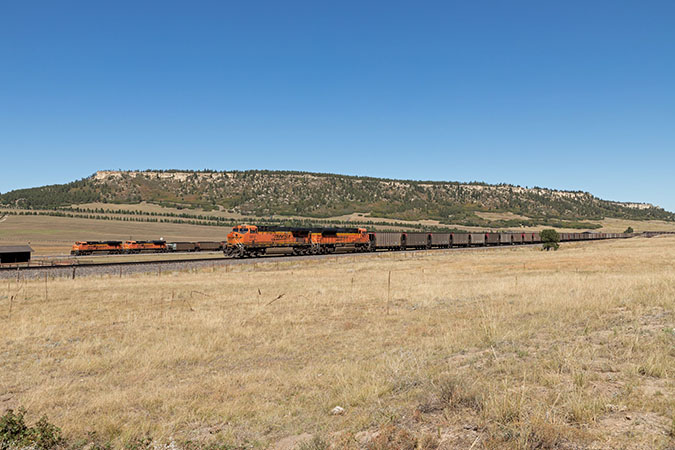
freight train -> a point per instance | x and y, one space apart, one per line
134 247
252 241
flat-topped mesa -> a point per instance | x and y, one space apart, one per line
178 175
261 178
265 193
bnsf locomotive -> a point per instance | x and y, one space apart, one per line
97 247
251 240
130 247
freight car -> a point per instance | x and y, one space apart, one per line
476 238
440 240
506 238
459 239
387 241
418 240
204 246
181 247
492 238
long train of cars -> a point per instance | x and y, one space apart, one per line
251 241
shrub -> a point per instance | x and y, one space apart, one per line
550 239
629 230
15 433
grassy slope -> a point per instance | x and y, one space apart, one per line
504 347
55 235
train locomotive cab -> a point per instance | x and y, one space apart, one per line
238 233
241 241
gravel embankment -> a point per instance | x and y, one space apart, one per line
121 269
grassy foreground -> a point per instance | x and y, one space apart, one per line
509 347
51 236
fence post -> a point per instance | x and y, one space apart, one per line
388 291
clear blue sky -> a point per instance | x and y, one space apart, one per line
566 94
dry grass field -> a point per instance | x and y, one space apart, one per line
51 236
154 208
496 348
610 225
55 235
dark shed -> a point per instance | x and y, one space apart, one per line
15 253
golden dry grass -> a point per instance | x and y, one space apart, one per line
55 235
500 215
509 347
50 236
611 225
154 208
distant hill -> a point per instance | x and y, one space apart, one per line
263 193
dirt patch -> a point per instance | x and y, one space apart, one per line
634 430
293 442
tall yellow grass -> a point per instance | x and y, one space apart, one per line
503 347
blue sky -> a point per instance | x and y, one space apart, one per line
573 95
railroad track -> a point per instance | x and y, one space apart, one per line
110 268
130 267
74 268
76 264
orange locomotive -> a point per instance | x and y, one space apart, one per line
144 246
99 247
251 240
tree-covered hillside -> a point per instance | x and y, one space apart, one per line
264 193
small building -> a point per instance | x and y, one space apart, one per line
15 253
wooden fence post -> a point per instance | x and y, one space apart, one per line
388 291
